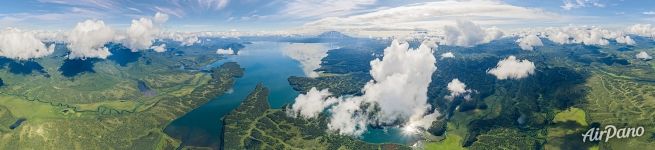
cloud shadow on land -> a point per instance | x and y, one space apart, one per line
73 67
25 68
122 55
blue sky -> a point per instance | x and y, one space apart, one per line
256 15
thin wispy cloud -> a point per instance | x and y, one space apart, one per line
434 14
572 4
345 15
321 8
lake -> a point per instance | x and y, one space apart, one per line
264 62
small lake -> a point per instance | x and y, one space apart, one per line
17 123
264 62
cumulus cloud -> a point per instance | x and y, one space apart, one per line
643 56
593 36
142 32
512 68
457 88
529 42
586 35
17 44
448 55
397 93
309 56
625 40
159 49
467 33
88 38
227 51
646 30
559 37
312 103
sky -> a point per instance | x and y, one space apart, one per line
373 15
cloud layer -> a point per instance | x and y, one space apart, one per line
321 8
646 30
512 68
430 14
586 35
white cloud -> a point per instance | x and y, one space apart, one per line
214 4
309 56
643 56
402 74
190 40
105 4
187 38
529 42
511 68
142 32
586 35
17 44
139 34
311 104
430 14
50 36
322 8
160 18
348 118
415 125
572 4
398 93
227 51
649 13
646 30
38 18
448 55
159 49
559 37
467 33
456 88
625 40
88 38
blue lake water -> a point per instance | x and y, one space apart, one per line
263 62
389 135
